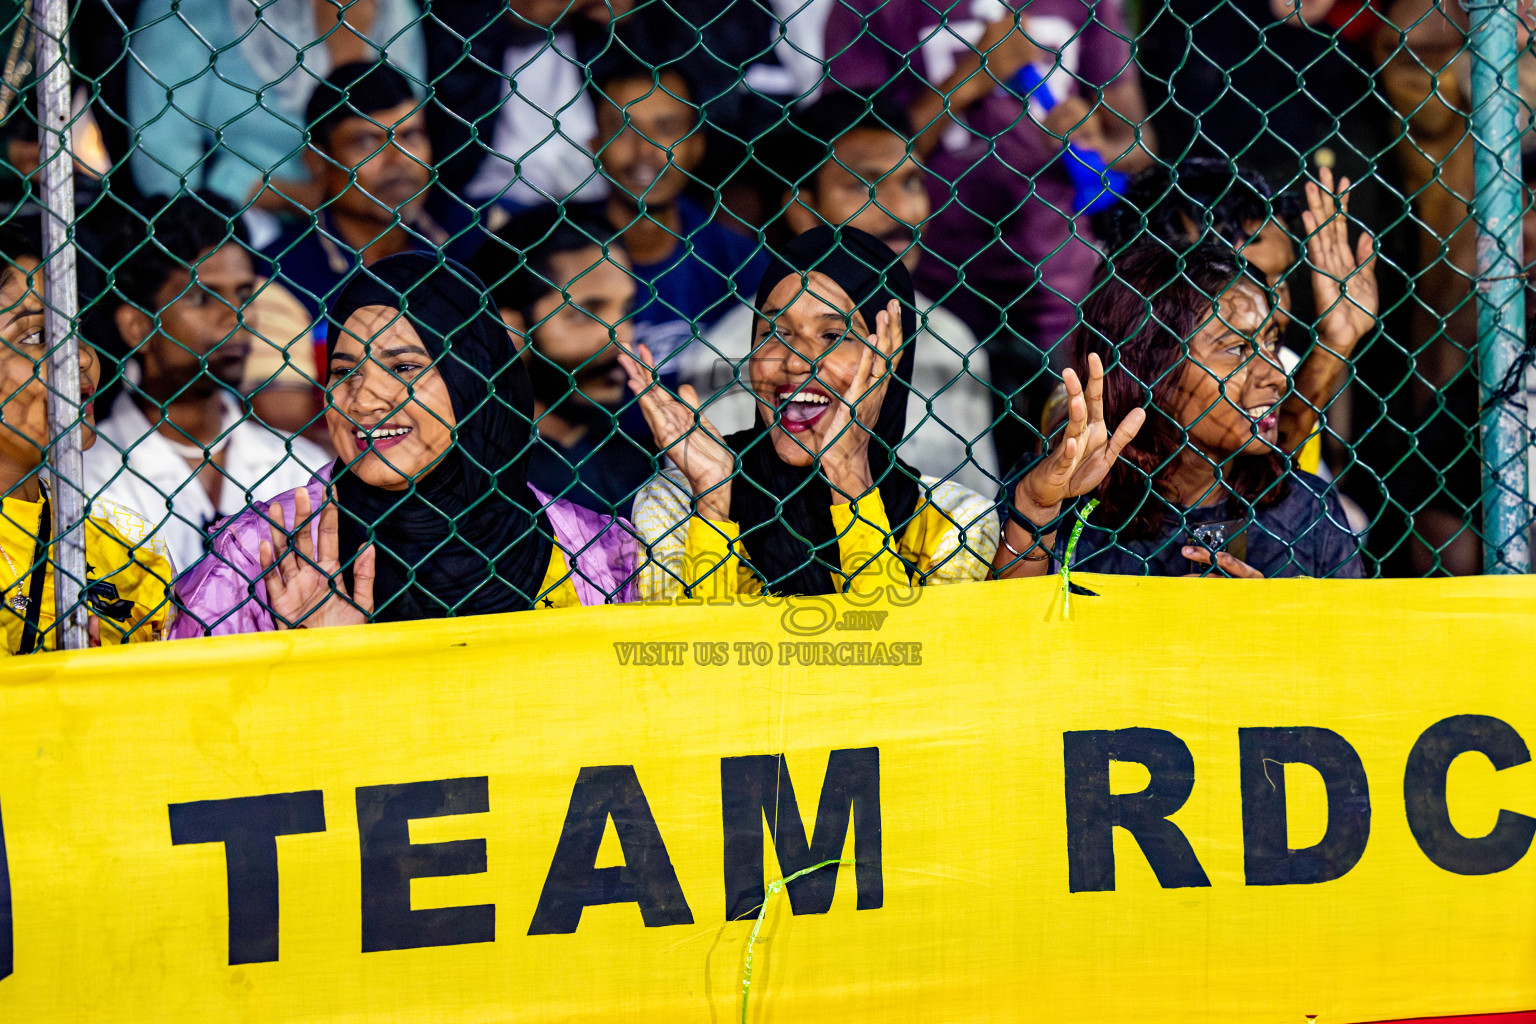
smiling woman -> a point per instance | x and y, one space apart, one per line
127 575
1197 482
820 504
427 512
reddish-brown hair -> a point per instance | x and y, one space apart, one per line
1139 319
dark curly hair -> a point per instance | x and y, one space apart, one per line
1202 195
150 249
1145 307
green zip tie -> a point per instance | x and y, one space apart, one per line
1066 563
762 911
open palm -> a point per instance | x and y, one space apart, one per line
681 431
1343 277
304 588
1087 450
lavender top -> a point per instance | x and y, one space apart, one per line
1001 197
225 593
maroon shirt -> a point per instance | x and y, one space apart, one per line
1002 201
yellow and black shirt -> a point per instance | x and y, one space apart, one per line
951 539
127 577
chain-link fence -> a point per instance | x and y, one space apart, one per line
533 303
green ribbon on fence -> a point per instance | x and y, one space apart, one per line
757 926
1066 563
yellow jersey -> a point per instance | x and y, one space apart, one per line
128 578
951 539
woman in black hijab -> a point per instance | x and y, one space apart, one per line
811 500
427 512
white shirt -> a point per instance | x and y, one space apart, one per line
800 68
539 148
951 370
136 466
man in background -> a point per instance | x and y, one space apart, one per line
523 146
566 300
690 268
370 155
177 444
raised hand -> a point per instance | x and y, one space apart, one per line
845 459
305 591
1005 47
1085 454
1074 121
684 434
1343 279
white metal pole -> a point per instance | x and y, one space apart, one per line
66 470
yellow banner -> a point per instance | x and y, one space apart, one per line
1193 800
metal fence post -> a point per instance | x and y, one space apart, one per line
1496 208
66 468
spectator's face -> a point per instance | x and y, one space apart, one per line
635 157
874 186
577 335
1231 385
809 341
24 370
549 13
1273 255
391 175
201 344
389 407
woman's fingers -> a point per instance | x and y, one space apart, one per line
640 355
363 570
1365 254
1196 554
640 367
891 336
272 570
1054 475
301 516
1237 567
1309 221
329 535
1229 564
1125 433
656 405
861 375
1095 390
275 551
1077 406
1069 450
689 397
637 378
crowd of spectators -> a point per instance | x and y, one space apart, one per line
818 295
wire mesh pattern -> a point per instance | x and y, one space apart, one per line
1250 272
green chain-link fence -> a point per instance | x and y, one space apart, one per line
1291 233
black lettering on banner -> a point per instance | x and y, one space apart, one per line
248 826
7 928
758 786
575 882
390 860
1267 856
1424 794
1093 813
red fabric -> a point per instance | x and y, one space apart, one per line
1356 21
1522 1017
